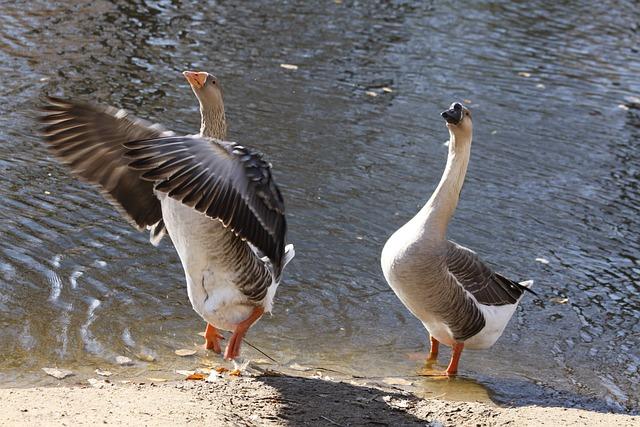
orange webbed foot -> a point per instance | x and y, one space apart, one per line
233 348
212 339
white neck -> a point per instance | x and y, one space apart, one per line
213 122
434 217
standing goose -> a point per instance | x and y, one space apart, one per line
217 200
460 301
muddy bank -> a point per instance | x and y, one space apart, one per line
270 401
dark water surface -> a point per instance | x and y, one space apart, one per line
554 175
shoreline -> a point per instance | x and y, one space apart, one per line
272 399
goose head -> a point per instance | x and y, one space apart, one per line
458 118
206 88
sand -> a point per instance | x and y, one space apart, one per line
270 401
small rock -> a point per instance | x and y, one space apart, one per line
103 373
123 361
58 373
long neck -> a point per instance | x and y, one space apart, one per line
434 217
214 122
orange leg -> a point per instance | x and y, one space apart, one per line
212 338
433 352
233 348
455 358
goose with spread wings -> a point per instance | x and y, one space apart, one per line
217 200
461 301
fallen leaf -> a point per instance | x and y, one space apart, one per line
297 367
262 362
158 380
396 381
221 369
559 300
542 260
185 373
289 66
103 373
524 74
58 373
371 93
123 360
466 101
387 89
195 377
47 192
623 107
183 352
235 373
540 86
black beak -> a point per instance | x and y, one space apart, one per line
454 114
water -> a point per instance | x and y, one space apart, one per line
553 175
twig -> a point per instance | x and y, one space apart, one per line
331 421
261 352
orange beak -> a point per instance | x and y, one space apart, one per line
196 78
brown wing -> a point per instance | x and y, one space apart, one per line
89 139
223 180
488 287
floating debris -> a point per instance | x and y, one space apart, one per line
371 93
396 381
184 352
103 373
540 86
623 107
542 260
297 367
524 74
146 357
559 300
387 89
58 373
289 66
123 361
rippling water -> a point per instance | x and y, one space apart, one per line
553 175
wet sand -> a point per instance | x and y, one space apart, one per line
270 401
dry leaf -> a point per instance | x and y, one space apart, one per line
183 352
185 373
542 260
158 380
235 373
623 107
289 66
103 373
387 89
371 93
195 377
123 360
58 373
396 381
262 362
221 369
524 74
559 300
466 101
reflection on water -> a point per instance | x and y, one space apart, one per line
553 175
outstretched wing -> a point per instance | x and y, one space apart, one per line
89 139
488 287
220 179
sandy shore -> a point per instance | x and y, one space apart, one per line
269 401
